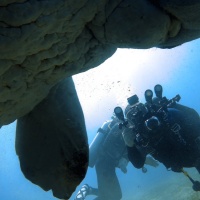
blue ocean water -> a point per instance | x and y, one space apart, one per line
126 73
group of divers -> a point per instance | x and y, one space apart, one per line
158 131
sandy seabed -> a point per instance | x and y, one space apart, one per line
177 187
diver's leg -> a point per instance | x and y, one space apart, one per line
94 191
108 184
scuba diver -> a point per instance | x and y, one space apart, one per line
108 152
164 129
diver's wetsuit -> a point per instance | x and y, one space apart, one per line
113 149
108 184
167 146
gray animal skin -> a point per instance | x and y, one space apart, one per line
44 42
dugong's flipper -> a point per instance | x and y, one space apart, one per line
51 141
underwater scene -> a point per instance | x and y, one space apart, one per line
100 90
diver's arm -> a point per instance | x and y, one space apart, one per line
128 136
136 157
192 119
187 110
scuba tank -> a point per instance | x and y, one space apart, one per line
95 145
114 145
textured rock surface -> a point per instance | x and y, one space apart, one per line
51 142
42 42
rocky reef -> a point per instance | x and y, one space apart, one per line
42 42
51 141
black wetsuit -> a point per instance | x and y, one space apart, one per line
175 149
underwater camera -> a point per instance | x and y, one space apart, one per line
148 96
158 90
146 114
152 123
120 115
133 100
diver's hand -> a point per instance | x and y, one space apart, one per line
176 168
150 161
123 162
128 136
